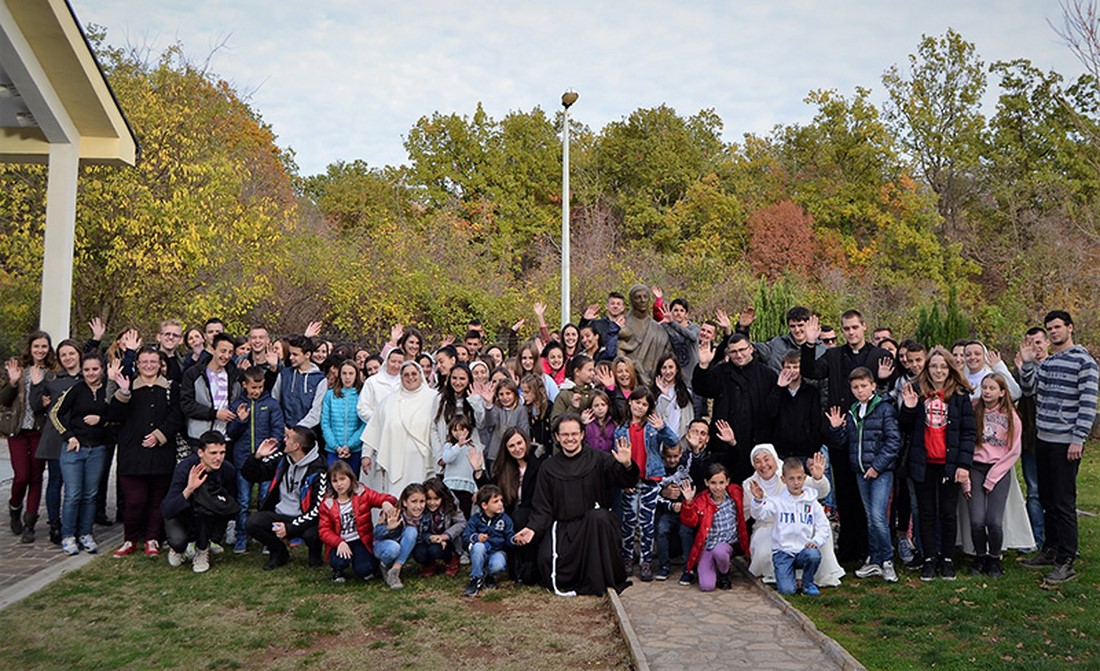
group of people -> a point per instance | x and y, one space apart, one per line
575 459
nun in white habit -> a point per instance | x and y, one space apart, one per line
397 439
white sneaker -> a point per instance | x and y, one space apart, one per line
69 546
88 543
189 551
201 562
392 576
215 548
869 570
175 559
888 573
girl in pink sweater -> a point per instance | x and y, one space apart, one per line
998 448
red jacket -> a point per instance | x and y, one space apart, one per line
328 527
700 514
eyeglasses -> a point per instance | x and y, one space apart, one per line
828 341
172 335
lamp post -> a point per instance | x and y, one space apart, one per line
567 100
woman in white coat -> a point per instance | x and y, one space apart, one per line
397 441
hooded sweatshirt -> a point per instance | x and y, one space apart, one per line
798 520
301 395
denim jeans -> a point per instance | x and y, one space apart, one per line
668 523
244 498
427 553
808 559
1030 467
81 470
354 460
484 561
362 562
390 552
639 508
875 493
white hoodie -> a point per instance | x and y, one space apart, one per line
797 521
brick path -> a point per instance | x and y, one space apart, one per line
27 567
743 628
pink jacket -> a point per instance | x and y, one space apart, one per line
996 447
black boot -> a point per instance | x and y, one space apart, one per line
29 521
55 532
16 519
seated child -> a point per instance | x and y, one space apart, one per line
395 537
669 502
720 527
345 522
440 529
487 534
799 528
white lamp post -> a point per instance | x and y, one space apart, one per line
567 99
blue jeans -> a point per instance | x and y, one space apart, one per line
390 552
808 559
1030 467
428 553
362 562
875 494
484 561
354 460
244 498
639 508
668 523
80 470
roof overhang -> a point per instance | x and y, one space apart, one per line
52 90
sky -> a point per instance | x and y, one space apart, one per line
347 79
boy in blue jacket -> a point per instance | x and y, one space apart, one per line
870 429
487 534
259 417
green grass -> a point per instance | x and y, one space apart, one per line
976 623
134 613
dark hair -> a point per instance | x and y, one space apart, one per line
568 416
211 438
616 294
305 436
911 345
682 302
883 328
714 469
612 411
665 449
699 420
506 467
540 405
576 363
486 493
826 327
409 490
637 393
299 341
683 394
889 340
848 314
69 342
861 373
338 388
1033 331
460 422
792 463
222 337
1058 314
792 356
448 350
253 374
552 345
472 334
212 320
962 342
437 487
737 337
28 360
798 313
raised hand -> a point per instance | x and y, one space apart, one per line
725 432
447 340
621 451
993 358
817 466
243 412
14 369
123 382
813 329
130 340
756 489
657 293
196 477
605 377
656 421
97 327
747 317
540 311
313 329
484 390
786 377
266 448
271 357
723 319
587 416
909 395
836 417
518 325
396 331
591 312
688 490
885 367
706 354
114 370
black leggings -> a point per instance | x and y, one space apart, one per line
987 511
937 502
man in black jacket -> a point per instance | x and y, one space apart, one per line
745 395
200 502
292 505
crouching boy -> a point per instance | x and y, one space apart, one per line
487 534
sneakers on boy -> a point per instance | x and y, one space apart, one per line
1044 559
201 562
905 550
392 576
928 571
947 570
240 546
127 548
88 543
473 588
152 549
888 572
175 559
490 582
69 546
869 570
1061 573
338 577
811 590
662 573
687 578
646 572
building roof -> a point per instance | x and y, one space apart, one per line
52 89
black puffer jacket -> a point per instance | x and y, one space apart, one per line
962 431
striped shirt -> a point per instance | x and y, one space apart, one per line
1065 390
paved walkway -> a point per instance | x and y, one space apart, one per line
743 628
27 567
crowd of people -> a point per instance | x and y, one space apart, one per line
575 459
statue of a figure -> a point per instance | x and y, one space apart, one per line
642 338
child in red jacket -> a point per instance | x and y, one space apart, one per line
720 528
345 525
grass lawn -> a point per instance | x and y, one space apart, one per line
976 623
136 613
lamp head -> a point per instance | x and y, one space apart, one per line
568 98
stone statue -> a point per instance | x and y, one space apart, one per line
642 338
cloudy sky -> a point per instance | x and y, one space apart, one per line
347 79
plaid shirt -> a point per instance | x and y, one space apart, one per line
723 529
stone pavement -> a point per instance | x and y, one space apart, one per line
744 628
27 567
